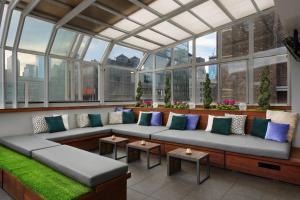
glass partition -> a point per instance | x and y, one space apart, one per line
206 48
124 57
160 79
183 53
182 84
146 80
89 81
13 28
95 50
148 64
163 58
63 42
58 80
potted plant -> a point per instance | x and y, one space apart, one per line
139 94
167 98
207 99
264 90
227 104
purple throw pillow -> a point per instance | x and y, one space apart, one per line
192 121
277 132
156 119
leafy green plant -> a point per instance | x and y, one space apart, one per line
167 98
207 100
264 90
180 105
139 94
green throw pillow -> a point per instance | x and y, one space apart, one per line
128 118
221 126
55 124
145 119
259 127
178 122
95 120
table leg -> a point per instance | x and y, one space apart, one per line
174 165
199 181
132 154
148 158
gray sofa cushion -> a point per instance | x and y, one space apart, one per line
25 144
136 130
74 133
85 167
245 144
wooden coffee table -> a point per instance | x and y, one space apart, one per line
134 149
175 157
109 145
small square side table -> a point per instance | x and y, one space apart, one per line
109 145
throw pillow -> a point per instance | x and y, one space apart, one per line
39 124
178 122
237 124
277 132
95 120
171 114
156 119
82 120
284 118
140 114
65 118
145 119
118 109
259 127
128 117
115 117
55 124
192 121
221 126
210 121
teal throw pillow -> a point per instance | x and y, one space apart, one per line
145 119
55 124
259 127
95 120
178 122
128 117
221 126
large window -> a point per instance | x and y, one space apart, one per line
13 28
148 64
146 80
30 78
183 53
89 81
63 42
206 48
124 57
95 50
163 58
182 84
160 79
9 84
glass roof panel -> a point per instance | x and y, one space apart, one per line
111 33
239 8
164 6
3 20
96 50
82 46
63 42
190 22
264 4
143 16
152 35
33 28
141 43
171 30
13 28
211 13
126 25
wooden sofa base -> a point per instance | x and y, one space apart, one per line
1 172
115 189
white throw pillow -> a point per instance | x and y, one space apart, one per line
140 114
39 124
210 121
116 117
171 114
65 118
237 124
82 120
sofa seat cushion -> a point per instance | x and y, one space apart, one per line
87 168
25 144
74 133
245 144
136 130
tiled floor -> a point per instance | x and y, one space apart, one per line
223 184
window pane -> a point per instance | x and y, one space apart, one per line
212 71
206 48
182 84
8 77
277 66
160 79
58 80
183 53
146 79
63 42
119 85
148 64
4 15
35 35
82 46
124 57
163 58
233 81
89 81
95 50
13 28
30 77
267 33
235 40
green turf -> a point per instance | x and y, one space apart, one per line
41 179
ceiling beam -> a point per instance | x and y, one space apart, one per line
220 5
255 5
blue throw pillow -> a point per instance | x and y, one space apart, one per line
192 121
156 119
55 124
120 109
277 132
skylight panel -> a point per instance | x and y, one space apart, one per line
112 33
126 25
190 22
143 16
141 43
264 4
239 8
211 13
185 1
171 30
164 6
152 35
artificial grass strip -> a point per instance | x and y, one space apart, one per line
47 183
